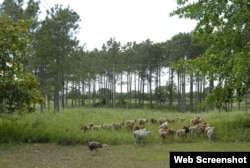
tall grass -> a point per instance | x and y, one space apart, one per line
64 127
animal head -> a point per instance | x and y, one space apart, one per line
88 141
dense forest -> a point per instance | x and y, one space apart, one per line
42 62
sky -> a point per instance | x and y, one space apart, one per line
123 20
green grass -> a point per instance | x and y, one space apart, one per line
125 156
64 127
52 139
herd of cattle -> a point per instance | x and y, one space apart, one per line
197 126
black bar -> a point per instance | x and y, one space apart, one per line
209 159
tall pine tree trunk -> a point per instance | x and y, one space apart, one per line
170 90
191 95
150 88
83 92
113 87
179 86
183 94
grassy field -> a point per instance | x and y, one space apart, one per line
125 156
64 127
52 139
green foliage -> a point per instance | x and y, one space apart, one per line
162 93
54 59
58 61
64 127
19 9
225 24
233 129
18 94
18 89
74 94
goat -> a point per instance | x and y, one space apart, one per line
202 128
162 120
153 121
130 122
85 128
183 132
138 127
107 126
97 127
206 129
129 127
117 126
171 132
91 125
162 133
142 121
186 128
164 125
210 133
193 129
196 121
141 135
